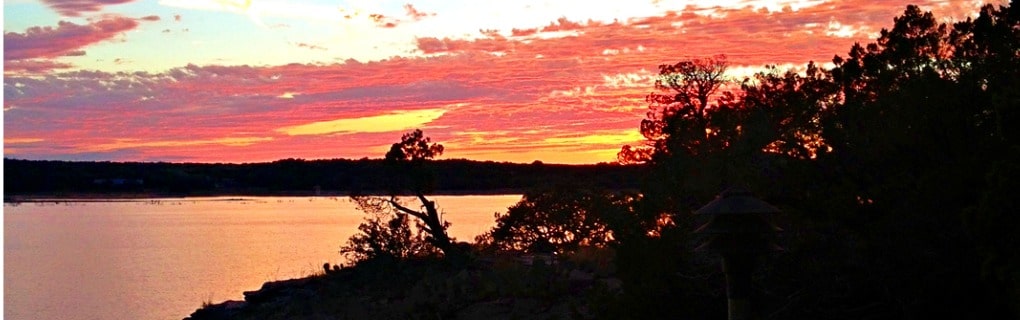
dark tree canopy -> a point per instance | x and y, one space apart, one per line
414 147
558 219
680 115
887 164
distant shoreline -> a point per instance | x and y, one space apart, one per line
27 180
240 196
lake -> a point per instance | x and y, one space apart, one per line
162 258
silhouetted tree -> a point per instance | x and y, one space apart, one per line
680 116
408 161
690 131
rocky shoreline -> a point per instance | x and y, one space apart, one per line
521 287
273 292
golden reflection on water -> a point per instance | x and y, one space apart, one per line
161 259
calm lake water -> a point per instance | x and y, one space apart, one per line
161 259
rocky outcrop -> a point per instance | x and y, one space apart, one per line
223 310
275 293
516 287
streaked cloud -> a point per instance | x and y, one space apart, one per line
22 140
136 143
33 66
390 122
613 139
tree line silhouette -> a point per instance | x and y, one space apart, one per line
291 176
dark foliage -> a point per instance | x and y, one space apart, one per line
559 219
894 170
386 236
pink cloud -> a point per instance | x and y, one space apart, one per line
33 66
67 37
74 8
415 14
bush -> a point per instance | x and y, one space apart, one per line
554 220
387 235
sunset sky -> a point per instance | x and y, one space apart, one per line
254 80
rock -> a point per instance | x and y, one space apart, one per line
274 290
221 311
276 293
